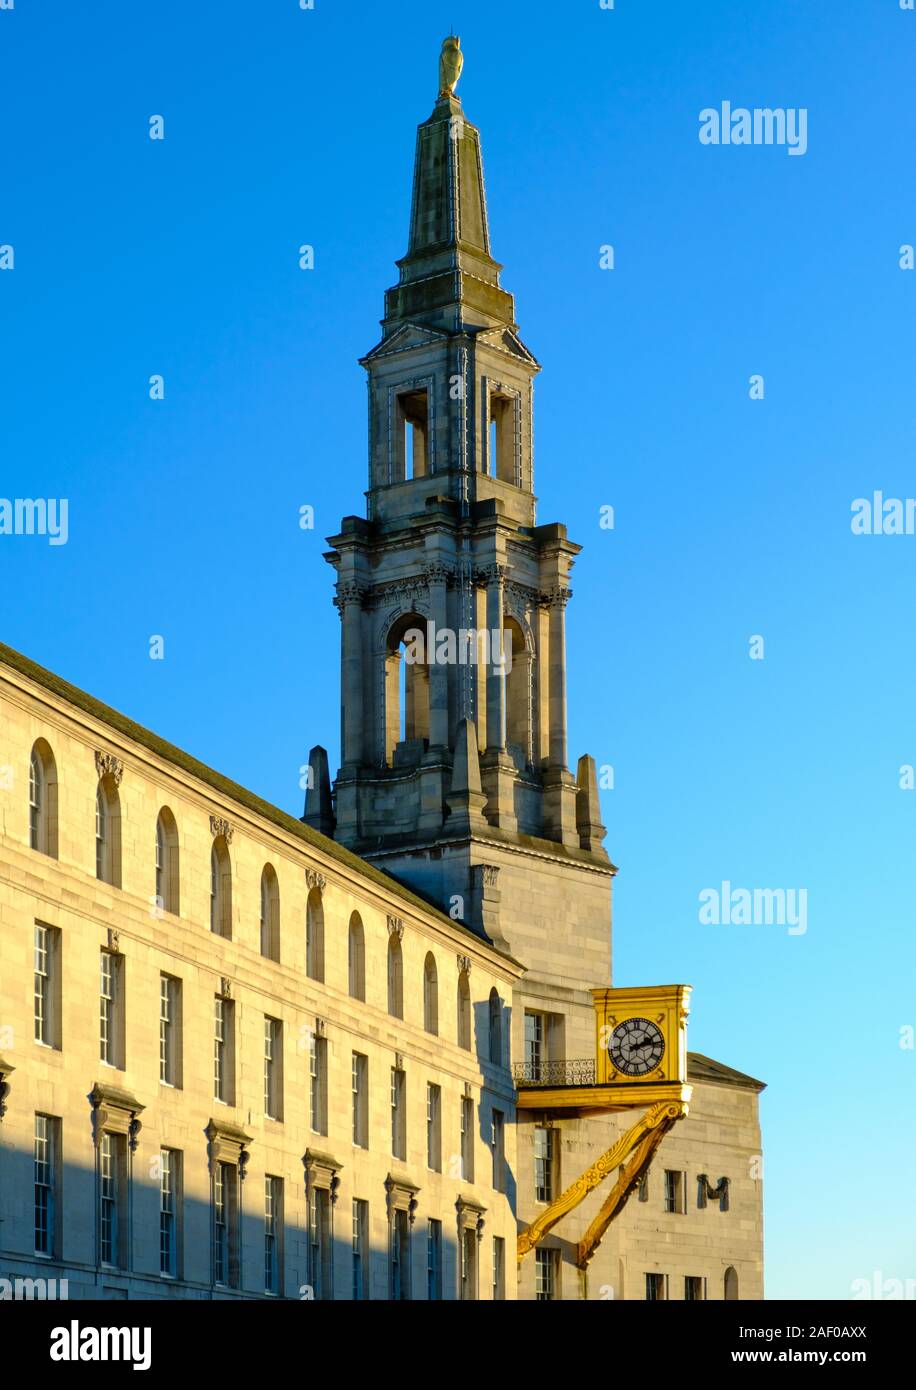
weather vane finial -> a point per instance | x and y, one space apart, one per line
451 61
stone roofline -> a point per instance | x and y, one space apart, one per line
220 794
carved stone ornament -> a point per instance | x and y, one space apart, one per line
348 593
115 1111
114 940
395 927
486 876
315 880
439 574
464 964
227 1143
400 1195
225 988
107 765
219 826
559 595
6 1068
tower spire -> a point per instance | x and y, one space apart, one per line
448 279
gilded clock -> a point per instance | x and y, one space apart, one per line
636 1046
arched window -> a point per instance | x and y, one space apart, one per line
314 937
430 994
464 1010
220 888
395 977
520 694
167 882
108 832
496 1028
357 958
731 1282
270 913
406 684
43 800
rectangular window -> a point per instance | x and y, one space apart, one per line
169 1030
434 1260
320 1242
434 1128
545 1274
47 985
675 1191
360 1085
413 420
499 1151
273 1235
544 1164
318 1083
47 1161
225 1225
534 1045
694 1288
499 1269
273 1068
502 451
360 1249
400 1256
224 1050
169 1202
112 1195
111 1009
656 1288
467 1139
467 1254
398 1113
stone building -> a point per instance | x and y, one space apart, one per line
245 1055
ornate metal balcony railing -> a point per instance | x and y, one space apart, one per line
575 1071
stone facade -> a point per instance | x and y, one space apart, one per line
63 893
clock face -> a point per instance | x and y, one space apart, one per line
636 1047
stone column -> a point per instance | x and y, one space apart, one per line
349 604
559 784
498 769
557 600
496 669
437 577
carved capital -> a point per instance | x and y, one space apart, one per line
464 964
219 826
556 597
395 927
486 877
348 594
315 880
107 765
438 574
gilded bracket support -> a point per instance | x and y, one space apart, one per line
644 1136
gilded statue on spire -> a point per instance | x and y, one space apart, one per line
451 61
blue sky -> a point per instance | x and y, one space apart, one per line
179 257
